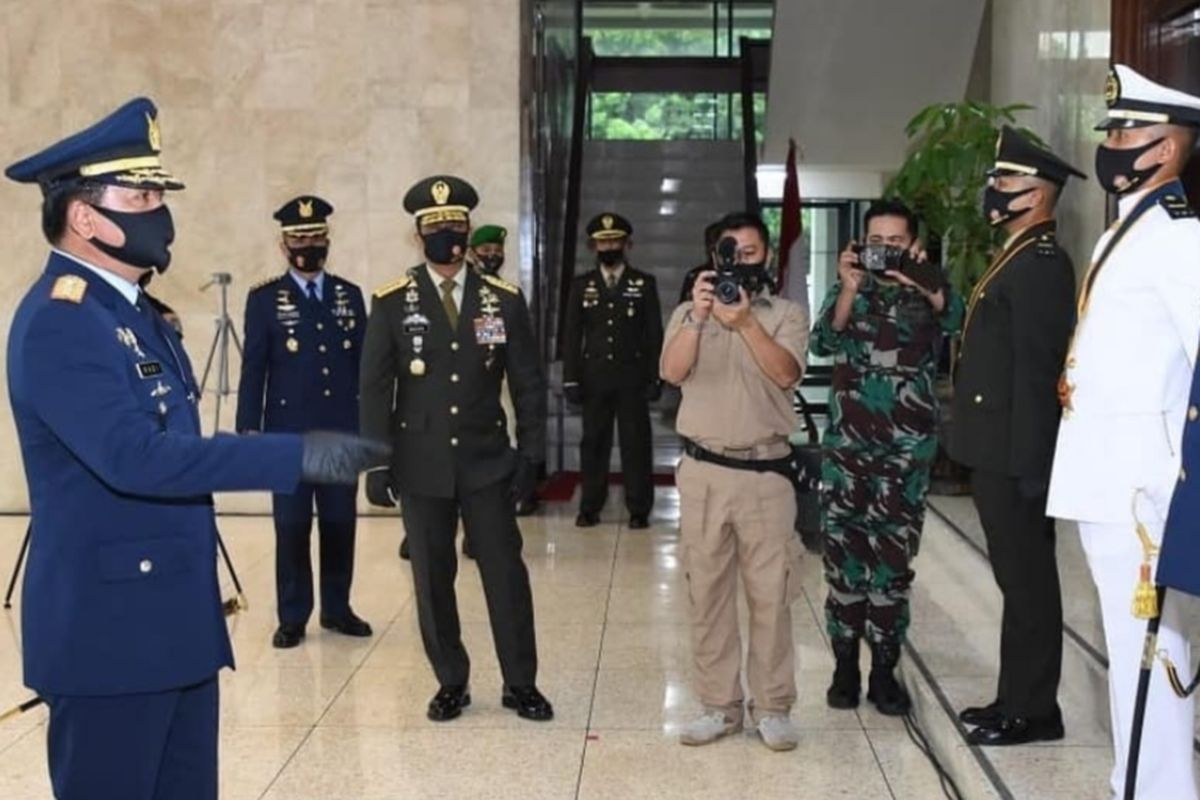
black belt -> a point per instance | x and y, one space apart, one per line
785 466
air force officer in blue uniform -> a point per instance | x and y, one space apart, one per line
304 332
122 625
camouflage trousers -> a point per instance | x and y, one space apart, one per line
872 512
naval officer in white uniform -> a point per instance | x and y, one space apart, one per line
1124 393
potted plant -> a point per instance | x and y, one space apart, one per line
951 148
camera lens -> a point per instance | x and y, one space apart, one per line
727 290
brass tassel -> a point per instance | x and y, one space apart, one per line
1145 599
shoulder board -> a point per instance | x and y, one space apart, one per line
1177 207
394 286
1047 245
70 288
500 284
264 282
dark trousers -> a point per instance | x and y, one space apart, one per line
487 515
1020 542
627 406
293 551
160 746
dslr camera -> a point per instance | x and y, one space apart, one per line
728 282
881 258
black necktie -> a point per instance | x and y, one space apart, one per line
312 292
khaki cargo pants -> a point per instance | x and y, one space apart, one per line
738 521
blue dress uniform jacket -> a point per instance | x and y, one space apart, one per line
1179 559
121 592
300 366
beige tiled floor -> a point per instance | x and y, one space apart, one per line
340 719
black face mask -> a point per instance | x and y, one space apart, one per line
310 258
148 237
490 264
440 246
610 258
1112 163
1001 202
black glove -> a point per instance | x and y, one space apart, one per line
653 391
338 457
524 479
379 488
574 394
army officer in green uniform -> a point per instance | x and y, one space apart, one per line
439 343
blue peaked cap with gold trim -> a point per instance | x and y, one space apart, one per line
123 149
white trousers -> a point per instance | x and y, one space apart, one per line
1165 768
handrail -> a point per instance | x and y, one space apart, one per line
570 231
749 137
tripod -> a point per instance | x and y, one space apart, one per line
220 345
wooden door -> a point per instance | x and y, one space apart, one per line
1161 39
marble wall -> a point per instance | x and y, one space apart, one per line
261 100
1054 56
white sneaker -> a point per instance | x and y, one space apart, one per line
778 732
707 728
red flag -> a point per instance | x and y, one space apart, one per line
789 229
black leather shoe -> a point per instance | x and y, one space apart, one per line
638 522
528 702
467 549
448 703
846 688
287 636
404 549
586 520
527 507
989 716
349 625
1018 730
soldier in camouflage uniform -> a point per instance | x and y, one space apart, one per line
884 333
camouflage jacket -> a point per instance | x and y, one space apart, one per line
885 365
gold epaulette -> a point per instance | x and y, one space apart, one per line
501 284
71 288
394 286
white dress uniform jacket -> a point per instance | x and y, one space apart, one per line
1129 370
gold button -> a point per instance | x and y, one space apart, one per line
499 423
982 295
328 393
454 378
320 326
610 322
610 340
453 409
610 305
347 344
454 346
978 399
610 357
146 566
283 401
403 424
324 370
321 348
454 441
1193 413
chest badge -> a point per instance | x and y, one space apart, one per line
128 338
292 344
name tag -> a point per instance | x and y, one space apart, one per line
149 369
490 330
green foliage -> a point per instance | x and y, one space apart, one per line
951 148
661 117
